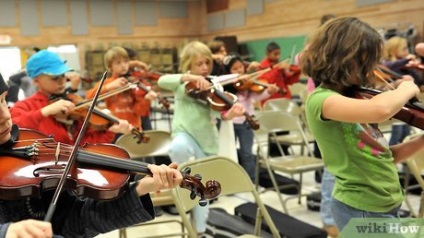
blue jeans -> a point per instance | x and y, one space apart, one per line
342 213
243 132
327 184
399 132
184 147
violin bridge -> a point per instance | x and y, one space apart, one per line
57 154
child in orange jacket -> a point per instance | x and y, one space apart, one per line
128 105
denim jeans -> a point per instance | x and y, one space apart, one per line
184 147
327 185
342 213
399 132
243 132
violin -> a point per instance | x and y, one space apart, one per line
255 85
35 163
98 121
217 100
150 74
412 113
414 65
138 78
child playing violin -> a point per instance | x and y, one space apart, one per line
193 127
129 105
342 54
38 112
78 216
396 57
233 64
282 75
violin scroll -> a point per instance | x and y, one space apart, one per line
140 136
197 189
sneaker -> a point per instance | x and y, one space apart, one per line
158 211
331 230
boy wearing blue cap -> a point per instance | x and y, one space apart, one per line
37 112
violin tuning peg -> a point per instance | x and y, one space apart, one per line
203 202
187 170
192 195
198 176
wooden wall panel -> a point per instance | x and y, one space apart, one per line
301 17
125 20
28 12
79 19
7 14
53 13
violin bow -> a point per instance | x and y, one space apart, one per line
73 155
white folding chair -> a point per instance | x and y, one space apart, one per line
271 122
233 179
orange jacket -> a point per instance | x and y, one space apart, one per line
129 105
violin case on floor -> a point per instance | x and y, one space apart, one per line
313 201
265 181
288 226
221 224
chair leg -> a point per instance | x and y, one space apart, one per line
123 233
406 177
421 210
300 188
277 189
258 222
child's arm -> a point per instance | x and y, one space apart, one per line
26 115
109 85
405 150
172 81
377 109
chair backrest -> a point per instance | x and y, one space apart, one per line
275 121
297 89
159 144
233 179
282 104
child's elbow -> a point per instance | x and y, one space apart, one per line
383 113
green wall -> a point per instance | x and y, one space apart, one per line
257 48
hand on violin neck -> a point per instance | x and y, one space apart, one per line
253 67
75 79
409 88
272 88
136 64
163 177
236 110
151 96
123 127
59 107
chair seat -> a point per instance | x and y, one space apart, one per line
293 138
295 164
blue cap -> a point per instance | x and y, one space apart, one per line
46 62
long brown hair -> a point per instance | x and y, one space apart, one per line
341 50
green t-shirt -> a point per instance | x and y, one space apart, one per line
359 157
191 116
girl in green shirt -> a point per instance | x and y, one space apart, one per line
342 56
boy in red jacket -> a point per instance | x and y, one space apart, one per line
38 113
282 73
